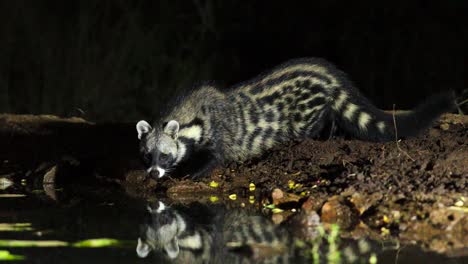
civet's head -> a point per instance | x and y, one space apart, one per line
160 147
160 231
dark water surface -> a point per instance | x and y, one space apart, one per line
109 214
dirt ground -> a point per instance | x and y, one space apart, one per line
413 191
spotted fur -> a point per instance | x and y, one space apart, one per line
294 100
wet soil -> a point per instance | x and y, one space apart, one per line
412 190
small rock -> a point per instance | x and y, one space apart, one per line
336 211
279 197
445 126
5 183
50 175
48 183
313 203
364 202
277 194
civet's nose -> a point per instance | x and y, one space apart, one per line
153 172
156 172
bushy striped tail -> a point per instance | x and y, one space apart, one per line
357 116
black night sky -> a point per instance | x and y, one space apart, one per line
119 60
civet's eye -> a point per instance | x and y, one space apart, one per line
147 157
163 157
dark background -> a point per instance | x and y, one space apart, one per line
119 60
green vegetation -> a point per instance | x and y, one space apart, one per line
333 255
33 243
16 227
12 195
5 255
89 243
327 248
316 245
103 242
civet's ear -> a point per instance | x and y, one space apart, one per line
149 209
142 249
172 129
142 128
172 248
161 207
